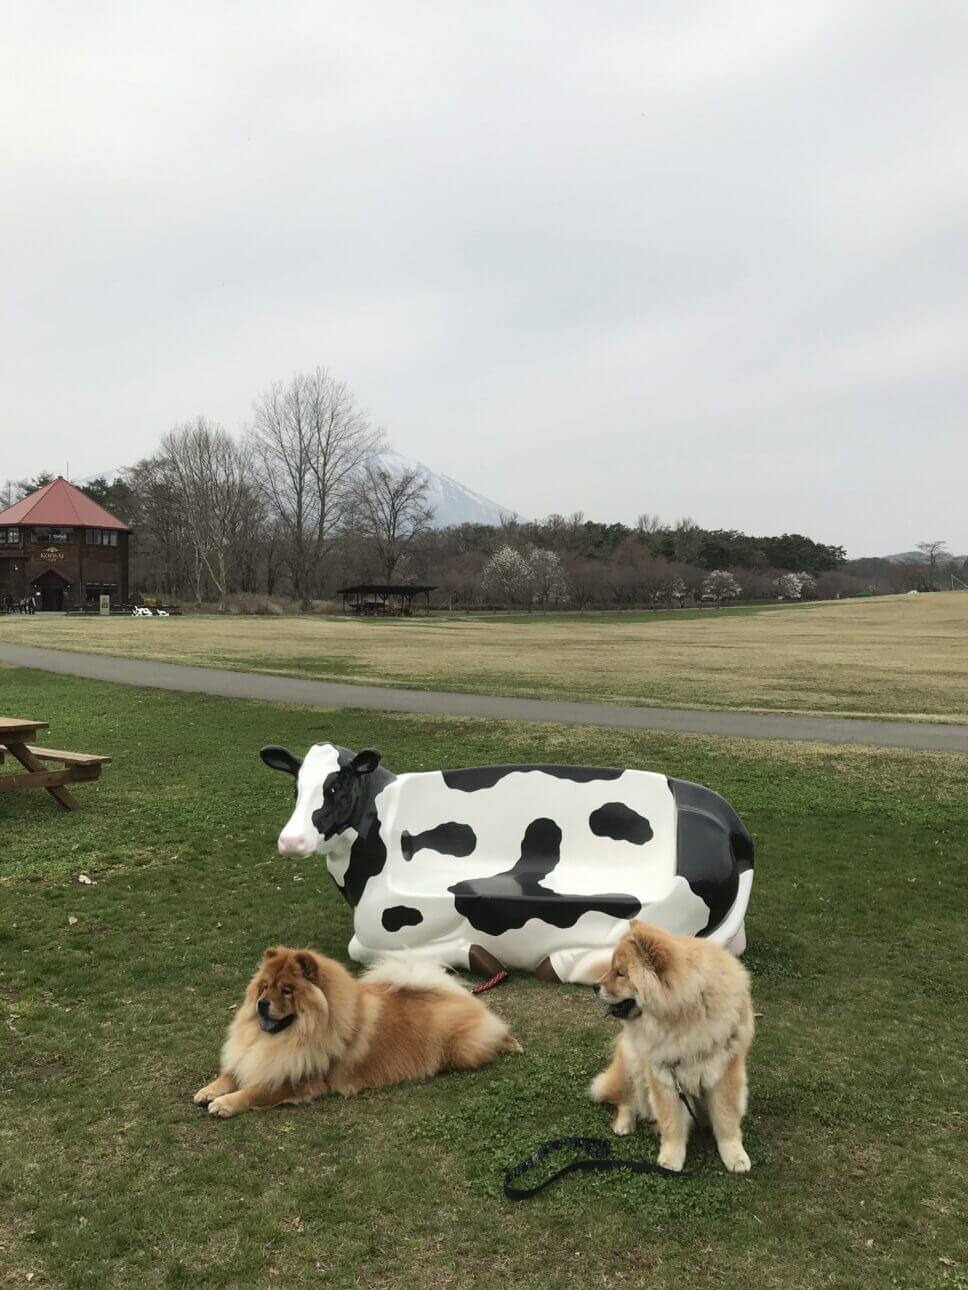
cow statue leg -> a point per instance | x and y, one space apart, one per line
452 954
737 945
583 966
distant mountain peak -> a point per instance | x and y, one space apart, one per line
452 501
918 557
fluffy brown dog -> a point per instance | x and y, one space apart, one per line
306 1028
687 1025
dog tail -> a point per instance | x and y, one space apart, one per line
403 970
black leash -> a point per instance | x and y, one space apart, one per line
598 1159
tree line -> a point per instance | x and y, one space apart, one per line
300 503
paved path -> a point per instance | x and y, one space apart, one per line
333 694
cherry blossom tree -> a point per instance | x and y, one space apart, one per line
548 584
720 585
788 586
507 577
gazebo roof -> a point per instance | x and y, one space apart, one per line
59 502
383 589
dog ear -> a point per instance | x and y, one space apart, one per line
280 759
365 762
652 946
307 966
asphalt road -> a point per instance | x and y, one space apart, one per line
334 694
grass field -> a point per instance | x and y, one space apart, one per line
894 656
109 1175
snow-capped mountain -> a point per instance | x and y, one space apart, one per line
452 501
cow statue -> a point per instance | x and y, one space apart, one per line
532 867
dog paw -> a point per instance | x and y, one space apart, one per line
624 1123
735 1159
222 1106
672 1158
202 1097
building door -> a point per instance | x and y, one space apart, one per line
51 587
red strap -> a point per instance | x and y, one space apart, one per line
496 979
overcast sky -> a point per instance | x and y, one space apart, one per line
692 258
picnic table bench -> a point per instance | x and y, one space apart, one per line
16 738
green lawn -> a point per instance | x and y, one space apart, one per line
109 1175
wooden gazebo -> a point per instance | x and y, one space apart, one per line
380 599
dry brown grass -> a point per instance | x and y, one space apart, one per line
892 656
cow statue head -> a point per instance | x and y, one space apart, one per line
332 792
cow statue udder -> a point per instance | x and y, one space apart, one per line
532 867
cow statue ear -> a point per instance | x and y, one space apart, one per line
280 759
365 762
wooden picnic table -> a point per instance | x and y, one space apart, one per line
17 738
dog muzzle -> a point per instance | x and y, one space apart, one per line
624 1010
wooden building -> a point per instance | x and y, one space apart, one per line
61 549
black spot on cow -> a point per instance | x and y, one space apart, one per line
368 855
619 822
398 916
473 779
508 900
449 839
713 848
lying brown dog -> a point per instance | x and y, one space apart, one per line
307 1028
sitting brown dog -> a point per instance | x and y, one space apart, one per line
687 1025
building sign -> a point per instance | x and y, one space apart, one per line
105 604
51 554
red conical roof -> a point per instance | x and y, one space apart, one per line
59 502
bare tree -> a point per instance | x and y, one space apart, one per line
933 552
161 556
639 578
459 577
390 508
210 473
650 529
587 582
310 441
686 539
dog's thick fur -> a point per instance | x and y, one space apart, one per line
687 1023
405 1019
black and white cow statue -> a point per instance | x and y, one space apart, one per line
532 867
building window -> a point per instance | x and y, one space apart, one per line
101 537
9 537
45 533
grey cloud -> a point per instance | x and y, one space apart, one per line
681 257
